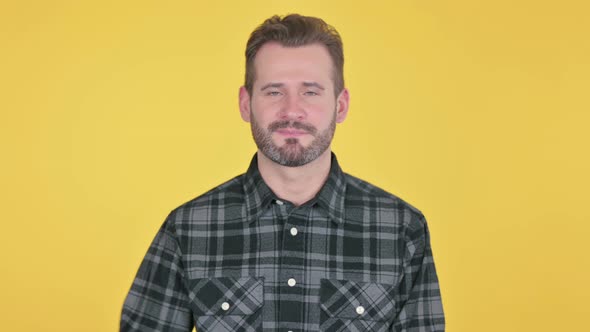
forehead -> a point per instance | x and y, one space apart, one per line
274 61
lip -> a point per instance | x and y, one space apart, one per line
291 132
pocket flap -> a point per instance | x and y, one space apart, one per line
348 299
226 296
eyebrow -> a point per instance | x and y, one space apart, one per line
313 84
280 85
271 85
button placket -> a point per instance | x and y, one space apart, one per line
291 276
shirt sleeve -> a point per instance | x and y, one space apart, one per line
158 300
421 308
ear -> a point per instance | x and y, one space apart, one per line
342 105
244 104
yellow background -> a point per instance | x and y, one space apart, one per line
114 113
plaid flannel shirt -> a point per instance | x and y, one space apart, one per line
238 258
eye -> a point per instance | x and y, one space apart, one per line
273 93
310 93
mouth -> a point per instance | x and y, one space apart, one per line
290 132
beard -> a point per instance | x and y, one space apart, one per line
292 153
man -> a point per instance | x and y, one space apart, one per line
294 244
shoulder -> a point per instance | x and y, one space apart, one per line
364 198
228 196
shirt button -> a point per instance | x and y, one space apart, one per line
360 310
225 306
291 282
293 231
279 202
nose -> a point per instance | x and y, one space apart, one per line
292 108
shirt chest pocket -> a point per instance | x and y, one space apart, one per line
355 306
227 304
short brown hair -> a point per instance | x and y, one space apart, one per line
296 30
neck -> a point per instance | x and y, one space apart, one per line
295 184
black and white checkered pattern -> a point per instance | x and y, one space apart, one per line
229 261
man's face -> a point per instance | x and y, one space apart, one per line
293 110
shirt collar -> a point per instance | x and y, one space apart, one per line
258 196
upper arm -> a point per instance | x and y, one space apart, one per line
422 305
158 300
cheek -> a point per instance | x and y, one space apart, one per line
260 110
321 114
264 108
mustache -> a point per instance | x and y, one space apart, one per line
291 124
